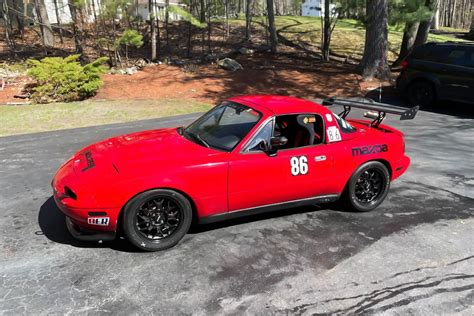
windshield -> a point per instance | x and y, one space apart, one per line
223 127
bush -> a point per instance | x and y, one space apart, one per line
128 38
65 79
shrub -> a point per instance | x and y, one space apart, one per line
65 79
129 38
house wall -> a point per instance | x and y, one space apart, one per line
314 8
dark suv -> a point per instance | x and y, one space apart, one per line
438 71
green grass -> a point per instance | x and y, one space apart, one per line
347 39
46 117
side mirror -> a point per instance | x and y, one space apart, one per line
271 150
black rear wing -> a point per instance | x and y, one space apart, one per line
382 109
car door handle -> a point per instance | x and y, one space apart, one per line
320 158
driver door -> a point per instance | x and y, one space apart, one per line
257 179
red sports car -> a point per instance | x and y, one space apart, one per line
248 155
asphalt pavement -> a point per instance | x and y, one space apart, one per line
413 254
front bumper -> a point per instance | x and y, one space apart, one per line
80 222
87 235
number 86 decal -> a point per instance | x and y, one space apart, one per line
299 165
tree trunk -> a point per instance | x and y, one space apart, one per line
96 29
227 27
407 41
6 19
271 27
151 12
202 19
76 26
326 31
435 21
19 16
209 29
58 20
424 27
374 62
248 19
45 27
167 20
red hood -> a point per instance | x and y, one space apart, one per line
156 149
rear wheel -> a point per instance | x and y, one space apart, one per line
421 93
368 186
157 219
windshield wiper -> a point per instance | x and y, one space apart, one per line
202 141
196 137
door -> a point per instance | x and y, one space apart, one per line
296 172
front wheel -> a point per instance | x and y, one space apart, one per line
157 219
368 186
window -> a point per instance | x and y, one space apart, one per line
457 57
343 124
223 127
300 130
264 134
470 62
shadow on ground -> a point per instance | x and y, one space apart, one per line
53 226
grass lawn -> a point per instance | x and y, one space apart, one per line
347 39
46 117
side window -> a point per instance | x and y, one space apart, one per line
301 130
437 54
457 57
263 134
470 55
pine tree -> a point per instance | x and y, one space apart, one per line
374 62
408 13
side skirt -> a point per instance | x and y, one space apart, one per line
268 208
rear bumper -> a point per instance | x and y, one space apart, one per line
401 83
400 166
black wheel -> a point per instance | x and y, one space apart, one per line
368 186
421 93
157 219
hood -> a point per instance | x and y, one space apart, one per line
138 152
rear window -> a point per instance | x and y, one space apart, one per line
445 54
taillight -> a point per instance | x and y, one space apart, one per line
404 64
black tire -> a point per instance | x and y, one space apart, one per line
422 93
157 219
363 194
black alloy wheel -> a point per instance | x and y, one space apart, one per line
368 187
157 219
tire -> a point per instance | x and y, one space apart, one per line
422 93
357 196
157 219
